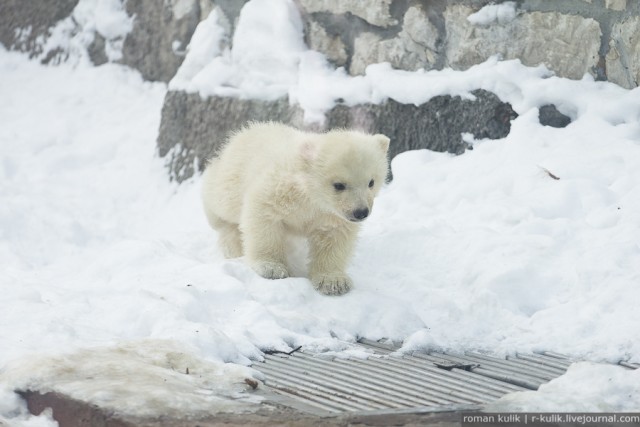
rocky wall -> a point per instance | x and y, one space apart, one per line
155 45
570 37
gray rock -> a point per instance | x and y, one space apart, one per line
550 116
193 128
161 32
365 51
96 50
22 22
419 34
331 46
414 47
623 58
436 125
375 12
566 44
616 4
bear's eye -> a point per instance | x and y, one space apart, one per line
371 183
339 186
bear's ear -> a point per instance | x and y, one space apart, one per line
383 142
308 151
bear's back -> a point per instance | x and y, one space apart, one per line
261 146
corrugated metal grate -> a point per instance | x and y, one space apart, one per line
385 381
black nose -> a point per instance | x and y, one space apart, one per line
361 213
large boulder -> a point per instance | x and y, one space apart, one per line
193 128
436 125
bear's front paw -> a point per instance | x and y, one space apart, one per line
271 270
332 284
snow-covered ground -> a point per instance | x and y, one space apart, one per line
111 278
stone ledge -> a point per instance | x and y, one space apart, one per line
193 128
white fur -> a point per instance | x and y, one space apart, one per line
271 180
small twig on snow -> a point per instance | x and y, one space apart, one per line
556 177
288 353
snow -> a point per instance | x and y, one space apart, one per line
77 199
168 380
70 37
268 60
494 13
586 387
107 17
109 271
264 60
203 50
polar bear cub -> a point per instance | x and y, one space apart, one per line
270 180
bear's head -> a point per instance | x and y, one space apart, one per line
345 171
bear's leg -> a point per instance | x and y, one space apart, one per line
229 237
265 246
329 253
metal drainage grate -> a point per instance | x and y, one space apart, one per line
418 380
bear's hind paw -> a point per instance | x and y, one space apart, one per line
332 284
271 270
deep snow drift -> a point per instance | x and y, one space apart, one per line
108 268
